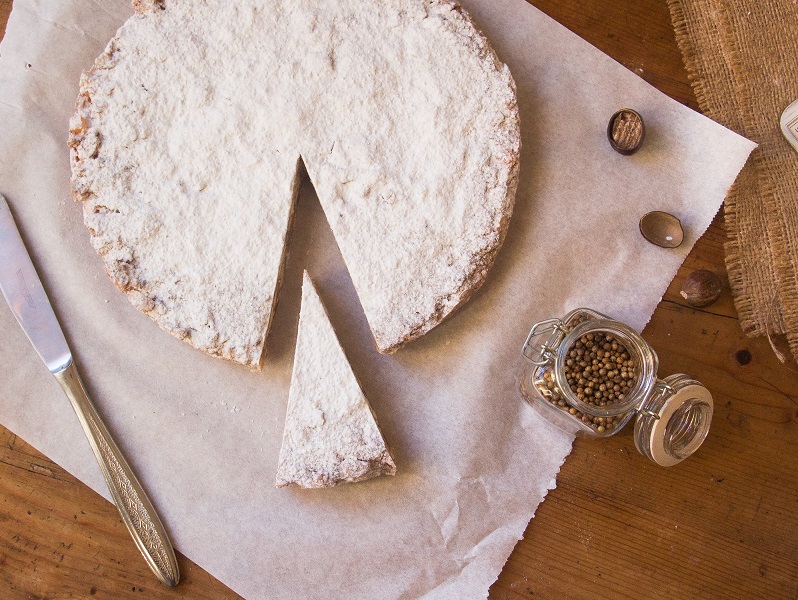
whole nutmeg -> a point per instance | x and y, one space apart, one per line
662 229
701 288
626 131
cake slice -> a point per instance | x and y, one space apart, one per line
331 434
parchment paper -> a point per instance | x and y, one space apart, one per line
474 461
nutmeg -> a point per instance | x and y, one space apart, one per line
626 131
701 288
662 229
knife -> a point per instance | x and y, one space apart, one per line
28 301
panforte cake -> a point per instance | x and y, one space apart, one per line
192 125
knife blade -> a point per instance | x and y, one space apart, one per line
28 300
25 295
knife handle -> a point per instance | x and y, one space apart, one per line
134 506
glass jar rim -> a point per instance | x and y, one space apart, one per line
634 344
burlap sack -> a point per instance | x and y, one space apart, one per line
742 59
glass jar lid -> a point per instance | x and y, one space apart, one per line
675 421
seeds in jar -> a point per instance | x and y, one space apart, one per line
548 389
599 369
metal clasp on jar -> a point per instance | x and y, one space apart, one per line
544 353
661 388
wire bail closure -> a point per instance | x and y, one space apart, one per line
661 387
545 353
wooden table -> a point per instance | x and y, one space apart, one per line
724 524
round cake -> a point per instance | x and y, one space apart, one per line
192 126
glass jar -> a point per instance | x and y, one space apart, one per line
588 373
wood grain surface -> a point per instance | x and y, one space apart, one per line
723 524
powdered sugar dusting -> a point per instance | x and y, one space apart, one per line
331 434
188 132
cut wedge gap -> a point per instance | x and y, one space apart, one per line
295 189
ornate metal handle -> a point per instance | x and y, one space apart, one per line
134 506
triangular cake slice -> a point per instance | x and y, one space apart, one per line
331 434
